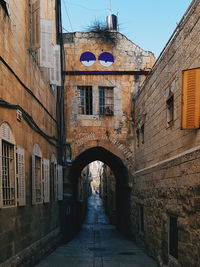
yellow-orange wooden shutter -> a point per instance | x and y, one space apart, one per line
191 99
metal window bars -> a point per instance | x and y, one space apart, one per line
8 174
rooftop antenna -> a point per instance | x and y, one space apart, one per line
111 19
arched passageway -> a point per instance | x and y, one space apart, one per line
122 189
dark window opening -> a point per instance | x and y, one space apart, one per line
138 137
106 101
173 237
142 134
170 110
85 100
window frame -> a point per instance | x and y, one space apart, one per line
11 174
85 100
104 98
170 110
7 136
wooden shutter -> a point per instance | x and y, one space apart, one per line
1 197
46 54
191 99
55 72
33 181
55 182
60 182
35 24
21 176
46 179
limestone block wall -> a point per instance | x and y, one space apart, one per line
166 180
83 129
27 232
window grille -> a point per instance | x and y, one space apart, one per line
85 100
106 101
8 174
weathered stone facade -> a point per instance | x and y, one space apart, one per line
108 193
111 132
28 111
96 66
166 182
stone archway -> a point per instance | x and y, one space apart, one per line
122 182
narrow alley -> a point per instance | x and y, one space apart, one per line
98 245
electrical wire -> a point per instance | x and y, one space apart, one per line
28 118
90 9
68 15
26 88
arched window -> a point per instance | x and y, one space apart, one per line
7 166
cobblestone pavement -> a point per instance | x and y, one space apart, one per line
98 245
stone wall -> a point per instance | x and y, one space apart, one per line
166 180
82 129
27 232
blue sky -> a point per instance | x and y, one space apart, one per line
148 23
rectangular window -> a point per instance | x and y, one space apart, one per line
8 174
173 237
138 137
191 99
170 109
106 101
142 133
141 219
85 100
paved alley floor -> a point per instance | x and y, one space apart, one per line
98 245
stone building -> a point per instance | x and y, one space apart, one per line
95 169
103 69
165 199
30 94
108 192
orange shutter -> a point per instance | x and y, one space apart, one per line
191 99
